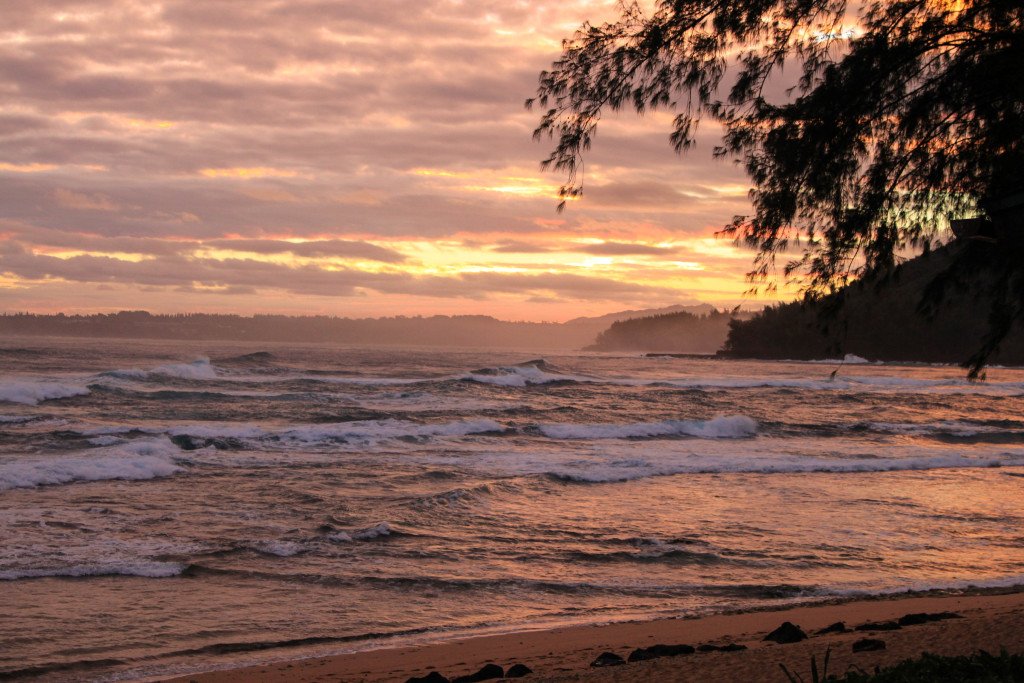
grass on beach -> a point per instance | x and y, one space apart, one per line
980 667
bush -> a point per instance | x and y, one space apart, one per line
980 667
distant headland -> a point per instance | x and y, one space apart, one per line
476 331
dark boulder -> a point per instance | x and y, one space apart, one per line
913 619
787 633
868 645
655 651
838 627
641 654
732 647
608 659
488 672
432 677
671 650
879 626
923 618
518 671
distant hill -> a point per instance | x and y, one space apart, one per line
590 328
465 331
605 320
677 332
878 321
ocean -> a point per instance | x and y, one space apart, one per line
170 507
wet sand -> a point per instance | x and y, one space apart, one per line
991 620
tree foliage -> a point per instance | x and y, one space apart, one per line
904 115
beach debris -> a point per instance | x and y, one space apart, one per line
432 677
655 651
924 617
787 633
868 645
879 626
608 659
488 672
518 671
838 627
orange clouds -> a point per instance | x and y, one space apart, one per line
343 158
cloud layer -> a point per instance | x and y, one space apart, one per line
343 157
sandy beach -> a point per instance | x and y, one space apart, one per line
988 621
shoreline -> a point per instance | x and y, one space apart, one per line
991 619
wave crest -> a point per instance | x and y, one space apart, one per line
152 570
136 460
32 393
721 427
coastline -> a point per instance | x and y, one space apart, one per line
990 619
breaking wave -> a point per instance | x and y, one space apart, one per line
522 374
198 436
728 427
32 393
152 570
633 469
140 459
198 369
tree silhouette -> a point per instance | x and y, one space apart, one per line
907 118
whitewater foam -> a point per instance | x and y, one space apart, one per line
1013 581
141 459
278 548
619 460
376 531
197 369
520 376
367 534
366 430
946 428
152 570
848 359
32 393
729 427
889 384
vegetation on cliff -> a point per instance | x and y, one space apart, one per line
670 332
893 317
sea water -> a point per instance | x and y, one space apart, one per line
172 507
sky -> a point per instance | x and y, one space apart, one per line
335 157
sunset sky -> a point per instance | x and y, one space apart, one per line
338 157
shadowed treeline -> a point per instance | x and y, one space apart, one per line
477 331
439 330
451 331
890 318
671 332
